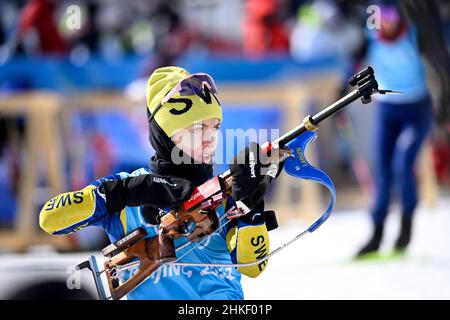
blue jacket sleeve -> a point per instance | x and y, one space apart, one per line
71 211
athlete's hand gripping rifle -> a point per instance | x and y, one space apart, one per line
196 217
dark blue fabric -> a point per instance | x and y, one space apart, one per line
412 121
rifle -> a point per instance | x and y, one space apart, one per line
196 217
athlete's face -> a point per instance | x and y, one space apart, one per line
199 140
391 28
391 21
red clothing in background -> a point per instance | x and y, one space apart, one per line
262 31
38 15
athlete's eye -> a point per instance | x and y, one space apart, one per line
197 129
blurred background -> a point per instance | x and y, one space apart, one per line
72 110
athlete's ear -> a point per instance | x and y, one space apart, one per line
176 138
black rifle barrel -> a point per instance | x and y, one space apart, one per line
316 119
319 117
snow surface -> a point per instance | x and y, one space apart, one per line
320 265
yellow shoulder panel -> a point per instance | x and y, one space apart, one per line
67 209
252 244
123 220
231 239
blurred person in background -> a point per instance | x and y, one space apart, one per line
432 34
11 136
171 35
263 30
39 16
426 18
184 116
322 30
171 38
12 141
402 121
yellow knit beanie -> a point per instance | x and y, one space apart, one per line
175 115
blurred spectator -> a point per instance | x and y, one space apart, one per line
91 36
322 30
402 122
171 35
12 136
171 38
11 140
85 40
425 16
441 157
263 30
8 170
38 15
2 34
